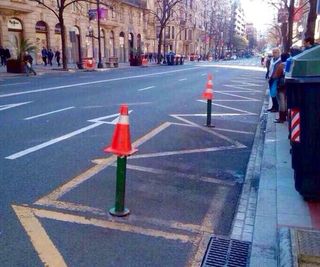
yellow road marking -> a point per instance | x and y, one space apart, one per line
101 165
67 206
42 243
60 191
111 225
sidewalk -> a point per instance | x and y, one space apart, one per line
41 69
285 229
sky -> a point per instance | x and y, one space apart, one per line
258 12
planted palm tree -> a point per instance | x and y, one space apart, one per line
20 46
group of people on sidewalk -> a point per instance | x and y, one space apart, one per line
47 56
276 66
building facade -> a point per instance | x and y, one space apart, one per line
125 28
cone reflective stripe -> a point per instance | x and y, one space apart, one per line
295 125
121 141
208 92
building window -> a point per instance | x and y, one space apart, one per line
167 32
121 14
190 35
172 32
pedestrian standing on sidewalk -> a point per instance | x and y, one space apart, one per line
309 43
281 90
273 81
57 56
44 55
7 55
27 59
267 63
50 56
2 55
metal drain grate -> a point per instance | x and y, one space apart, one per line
223 252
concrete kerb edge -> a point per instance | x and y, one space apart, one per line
249 190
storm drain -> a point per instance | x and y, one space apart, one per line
223 252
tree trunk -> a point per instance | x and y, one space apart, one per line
290 27
159 44
312 17
284 35
63 43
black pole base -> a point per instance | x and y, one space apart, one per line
100 65
210 126
123 213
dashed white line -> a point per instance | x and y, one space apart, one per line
7 106
53 141
8 84
146 88
184 79
94 82
48 113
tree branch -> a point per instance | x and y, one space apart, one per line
46 6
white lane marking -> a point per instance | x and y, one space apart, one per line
247 83
232 100
146 88
203 74
48 113
215 114
8 84
181 152
241 91
235 109
102 119
97 123
239 96
241 87
233 67
4 107
184 79
101 165
95 82
39 238
53 141
234 142
180 174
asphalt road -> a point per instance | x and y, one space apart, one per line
57 184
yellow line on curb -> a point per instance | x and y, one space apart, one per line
42 243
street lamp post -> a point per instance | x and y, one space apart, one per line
98 12
100 65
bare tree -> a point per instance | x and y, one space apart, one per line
164 13
219 26
287 27
312 17
58 8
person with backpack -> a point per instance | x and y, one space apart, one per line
27 59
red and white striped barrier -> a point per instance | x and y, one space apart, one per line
295 125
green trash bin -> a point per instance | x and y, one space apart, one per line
303 99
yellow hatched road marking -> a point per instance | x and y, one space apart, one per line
42 243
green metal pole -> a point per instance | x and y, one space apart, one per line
119 209
209 105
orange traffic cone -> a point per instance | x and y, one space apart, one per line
121 142
208 92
